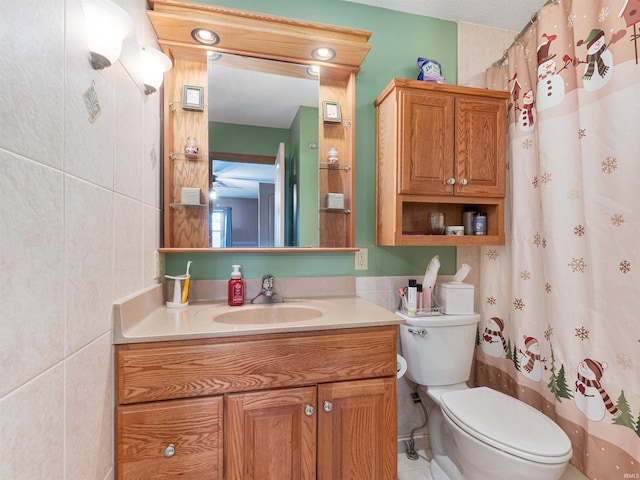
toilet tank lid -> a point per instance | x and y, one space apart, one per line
440 320
507 424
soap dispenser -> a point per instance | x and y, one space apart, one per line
236 287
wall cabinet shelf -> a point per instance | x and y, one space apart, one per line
440 148
268 406
335 166
346 211
193 157
188 205
179 106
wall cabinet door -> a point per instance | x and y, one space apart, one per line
451 145
480 147
271 435
427 147
357 430
173 439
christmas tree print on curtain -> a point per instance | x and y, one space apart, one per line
558 382
624 418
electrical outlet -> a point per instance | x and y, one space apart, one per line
362 259
158 272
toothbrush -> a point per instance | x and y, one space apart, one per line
185 288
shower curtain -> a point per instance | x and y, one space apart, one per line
560 302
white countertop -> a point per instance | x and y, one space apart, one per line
142 321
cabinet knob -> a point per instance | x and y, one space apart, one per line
451 181
463 181
328 406
308 410
170 450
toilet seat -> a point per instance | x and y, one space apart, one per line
507 424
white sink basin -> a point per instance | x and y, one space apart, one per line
268 314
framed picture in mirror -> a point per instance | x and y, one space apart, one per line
331 111
193 98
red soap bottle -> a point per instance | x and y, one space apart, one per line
236 287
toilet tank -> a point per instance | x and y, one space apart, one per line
438 349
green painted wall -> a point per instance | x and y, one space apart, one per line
246 139
398 40
304 131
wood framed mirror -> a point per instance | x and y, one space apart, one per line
249 35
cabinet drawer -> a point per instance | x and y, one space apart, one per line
149 372
193 427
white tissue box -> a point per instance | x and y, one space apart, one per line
455 298
335 200
190 196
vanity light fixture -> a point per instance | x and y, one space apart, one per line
205 36
323 54
154 64
107 25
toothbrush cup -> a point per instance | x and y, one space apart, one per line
177 291
436 223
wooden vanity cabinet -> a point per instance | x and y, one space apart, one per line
160 440
292 406
439 148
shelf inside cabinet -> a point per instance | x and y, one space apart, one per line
414 227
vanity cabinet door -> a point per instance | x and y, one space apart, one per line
271 435
357 430
172 439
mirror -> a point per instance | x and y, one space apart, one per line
263 137
318 205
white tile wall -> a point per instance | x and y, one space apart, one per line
79 204
31 256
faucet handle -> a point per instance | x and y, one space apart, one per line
267 284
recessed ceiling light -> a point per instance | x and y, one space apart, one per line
323 54
313 70
204 36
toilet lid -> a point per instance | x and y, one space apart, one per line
507 424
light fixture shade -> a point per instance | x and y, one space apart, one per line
154 64
107 24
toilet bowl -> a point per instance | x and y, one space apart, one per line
476 433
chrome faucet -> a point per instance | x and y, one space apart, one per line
267 295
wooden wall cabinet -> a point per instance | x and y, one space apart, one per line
439 148
282 406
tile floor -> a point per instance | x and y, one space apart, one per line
417 469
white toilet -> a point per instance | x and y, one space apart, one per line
476 433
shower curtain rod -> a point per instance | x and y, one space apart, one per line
517 38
